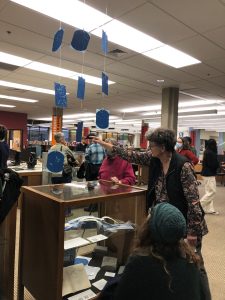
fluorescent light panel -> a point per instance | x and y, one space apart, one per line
18 99
26 87
6 105
78 14
172 57
45 68
128 37
71 12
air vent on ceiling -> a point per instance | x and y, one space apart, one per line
117 52
8 67
124 129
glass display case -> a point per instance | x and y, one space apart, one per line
64 225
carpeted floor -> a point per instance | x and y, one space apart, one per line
213 248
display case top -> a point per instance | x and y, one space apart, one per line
84 190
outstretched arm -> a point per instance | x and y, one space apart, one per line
140 158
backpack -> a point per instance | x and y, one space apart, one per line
10 184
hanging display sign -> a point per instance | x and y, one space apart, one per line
56 126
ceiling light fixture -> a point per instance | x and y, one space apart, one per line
172 57
49 69
5 105
18 99
80 15
25 87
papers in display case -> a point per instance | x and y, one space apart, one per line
100 284
97 238
83 296
76 242
75 279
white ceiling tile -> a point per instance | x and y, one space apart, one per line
157 23
200 48
201 15
220 80
214 89
217 36
159 70
202 71
217 63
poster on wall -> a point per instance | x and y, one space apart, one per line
15 139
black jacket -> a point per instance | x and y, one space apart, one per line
145 278
210 163
4 154
173 183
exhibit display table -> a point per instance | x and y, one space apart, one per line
42 235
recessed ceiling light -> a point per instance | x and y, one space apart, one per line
172 57
18 99
5 105
26 87
160 80
45 68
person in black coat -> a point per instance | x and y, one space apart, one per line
4 148
210 165
162 265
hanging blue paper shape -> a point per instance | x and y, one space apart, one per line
57 42
60 95
79 132
55 161
80 40
81 88
105 85
102 118
104 42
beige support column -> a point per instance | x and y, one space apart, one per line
169 112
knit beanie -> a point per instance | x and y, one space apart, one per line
167 223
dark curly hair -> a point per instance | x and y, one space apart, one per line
163 137
3 132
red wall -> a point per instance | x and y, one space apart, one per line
15 121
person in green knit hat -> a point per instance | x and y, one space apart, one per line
162 265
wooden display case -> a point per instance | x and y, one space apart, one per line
7 255
42 224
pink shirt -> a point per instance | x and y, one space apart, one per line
117 167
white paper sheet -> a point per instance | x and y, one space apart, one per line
91 272
83 296
74 279
97 238
110 274
100 284
76 242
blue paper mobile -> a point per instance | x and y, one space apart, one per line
81 88
57 42
60 95
104 42
105 85
80 40
102 118
55 161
